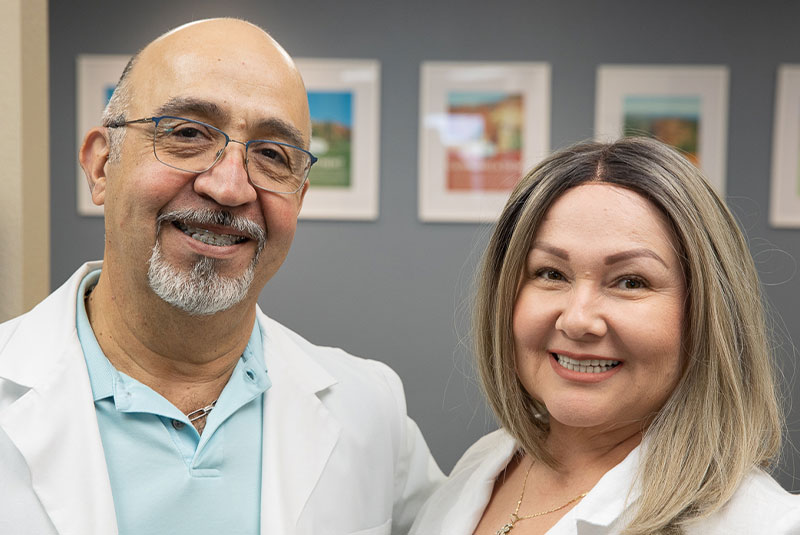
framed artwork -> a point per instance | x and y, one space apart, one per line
482 127
344 101
784 209
683 106
97 76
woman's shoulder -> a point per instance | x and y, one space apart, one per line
459 502
497 445
759 505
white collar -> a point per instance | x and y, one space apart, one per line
607 502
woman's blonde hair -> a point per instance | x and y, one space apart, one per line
723 417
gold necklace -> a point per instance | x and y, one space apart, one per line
515 515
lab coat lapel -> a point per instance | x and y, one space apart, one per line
299 430
53 423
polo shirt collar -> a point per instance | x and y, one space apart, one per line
249 379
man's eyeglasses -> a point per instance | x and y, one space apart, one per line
194 146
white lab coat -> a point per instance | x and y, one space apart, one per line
340 456
759 507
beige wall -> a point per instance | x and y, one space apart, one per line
24 153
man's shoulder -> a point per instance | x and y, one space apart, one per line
7 330
286 345
56 309
39 339
366 396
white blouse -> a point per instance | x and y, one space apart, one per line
759 506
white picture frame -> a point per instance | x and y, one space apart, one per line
483 125
784 208
687 103
96 77
357 81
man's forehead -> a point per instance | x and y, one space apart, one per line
222 29
222 68
220 39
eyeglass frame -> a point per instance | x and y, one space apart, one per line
228 140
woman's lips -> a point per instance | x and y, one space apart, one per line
585 365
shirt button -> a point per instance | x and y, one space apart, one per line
250 375
177 424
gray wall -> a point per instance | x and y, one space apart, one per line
397 289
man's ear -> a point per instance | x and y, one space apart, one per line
93 156
302 196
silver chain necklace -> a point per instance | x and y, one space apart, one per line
201 412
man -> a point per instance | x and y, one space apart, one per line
149 394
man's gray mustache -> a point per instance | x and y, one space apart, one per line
205 216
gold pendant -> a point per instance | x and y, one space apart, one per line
509 526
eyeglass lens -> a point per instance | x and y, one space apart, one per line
191 146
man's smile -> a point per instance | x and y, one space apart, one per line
208 237
216 228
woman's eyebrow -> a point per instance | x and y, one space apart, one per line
552 249
634 253
610 259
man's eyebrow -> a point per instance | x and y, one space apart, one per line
634 253
180 105
272 127
278 128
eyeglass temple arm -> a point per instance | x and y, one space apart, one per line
121 122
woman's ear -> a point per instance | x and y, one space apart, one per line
93 156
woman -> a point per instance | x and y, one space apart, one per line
621 343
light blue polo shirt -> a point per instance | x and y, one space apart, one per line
165 477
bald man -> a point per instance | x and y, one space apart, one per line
149 394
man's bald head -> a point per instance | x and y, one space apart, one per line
203 36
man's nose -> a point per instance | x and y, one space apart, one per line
227 181
582 314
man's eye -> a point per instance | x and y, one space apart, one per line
186 132
270 154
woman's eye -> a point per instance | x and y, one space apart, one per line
550 275
630 283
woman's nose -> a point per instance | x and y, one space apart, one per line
582 314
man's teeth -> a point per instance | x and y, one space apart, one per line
206 236
587 365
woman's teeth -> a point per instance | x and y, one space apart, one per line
208 237
586 365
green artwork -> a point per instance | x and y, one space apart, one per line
331 138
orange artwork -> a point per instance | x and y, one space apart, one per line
484 140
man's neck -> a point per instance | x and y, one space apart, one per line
187 359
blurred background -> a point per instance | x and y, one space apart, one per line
397 289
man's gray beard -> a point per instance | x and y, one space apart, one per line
201 291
